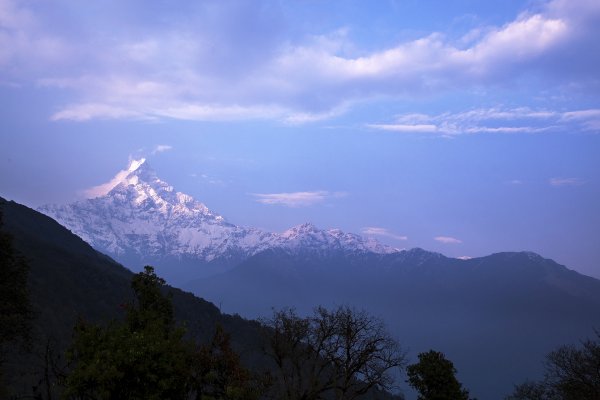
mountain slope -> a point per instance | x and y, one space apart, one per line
495 317
139 219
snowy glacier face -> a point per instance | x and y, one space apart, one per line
141 214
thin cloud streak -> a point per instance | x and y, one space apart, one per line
498 120
297 199
559 182
406 128
376 231
161 148
447 240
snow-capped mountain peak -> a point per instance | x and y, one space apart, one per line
142 187
141 171
303 229
137 217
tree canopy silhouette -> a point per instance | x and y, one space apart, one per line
144 357
341 353
571 373
434 378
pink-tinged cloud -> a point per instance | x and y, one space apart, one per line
447 240
377 231
296 199
161 148
89 111
422 128
558 182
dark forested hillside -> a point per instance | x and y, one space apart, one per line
68 279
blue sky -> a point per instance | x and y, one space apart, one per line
464 127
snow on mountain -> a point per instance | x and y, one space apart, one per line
137 214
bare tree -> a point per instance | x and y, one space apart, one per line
341 353
295 351
572 373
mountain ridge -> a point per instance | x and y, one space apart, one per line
139 219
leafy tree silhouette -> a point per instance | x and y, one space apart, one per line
147 356
434 378
144 357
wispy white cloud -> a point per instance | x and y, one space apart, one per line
190 112
582 114
416 128
464 257
215 112
301 117
376 231
296 199
447 240
501 120
151 111
506 129
558 182
104 188
232 60
88 111
589 119
161 148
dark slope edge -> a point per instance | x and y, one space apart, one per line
496 317
69 279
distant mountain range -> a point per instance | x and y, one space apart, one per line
142 220
495 317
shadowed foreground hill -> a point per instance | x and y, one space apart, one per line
68 279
